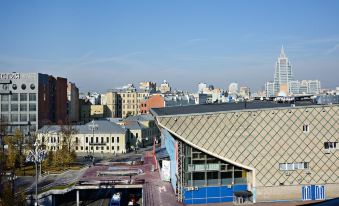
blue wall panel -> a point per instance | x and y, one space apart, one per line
211 194
199 201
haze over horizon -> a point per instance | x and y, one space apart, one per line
107 44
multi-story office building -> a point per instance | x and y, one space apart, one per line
294 87
73 102
283 74
32 99
269 89
313 86
275 151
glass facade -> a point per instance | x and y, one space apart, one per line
205 170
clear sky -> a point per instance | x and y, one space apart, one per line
105 44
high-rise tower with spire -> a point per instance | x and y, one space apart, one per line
283 74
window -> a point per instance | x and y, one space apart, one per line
14 86
23 97
32 117
96 148
32 97
14 117
107 148
14 97
82 148
4 98
102 148
32 107
293 166
91 139
23 107
112 139
23 117
118 148
86 139
107 139
112 147
136 135
5 117
77 140
86 148
102 139
118 140
23 86
97 139
305 128
4 107
14 107
76 148
330 145
32 86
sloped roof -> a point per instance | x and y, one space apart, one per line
103 127
143 117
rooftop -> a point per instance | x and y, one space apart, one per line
210 108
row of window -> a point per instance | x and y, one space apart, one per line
23 86
102 140
293 166
15 97
96 148
15 107
18 117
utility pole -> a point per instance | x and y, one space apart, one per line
36 156
93 127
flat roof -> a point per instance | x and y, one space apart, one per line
210 108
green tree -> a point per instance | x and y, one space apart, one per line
69 142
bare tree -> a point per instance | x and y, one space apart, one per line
69 141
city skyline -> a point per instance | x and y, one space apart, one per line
104 46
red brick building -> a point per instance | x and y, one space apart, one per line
154 101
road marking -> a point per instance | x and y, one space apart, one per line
163 188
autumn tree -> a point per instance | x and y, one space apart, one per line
68 142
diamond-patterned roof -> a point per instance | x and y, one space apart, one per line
263 138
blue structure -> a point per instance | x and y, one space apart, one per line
204 195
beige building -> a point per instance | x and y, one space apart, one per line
275 151
107 138
73 102
112 109
143 130
97 111
164 87
130 101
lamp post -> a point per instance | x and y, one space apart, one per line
36 156
93 127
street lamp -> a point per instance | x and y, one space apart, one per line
93 127
36 156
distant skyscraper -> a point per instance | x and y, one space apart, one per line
283 74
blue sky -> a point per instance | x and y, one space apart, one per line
105 44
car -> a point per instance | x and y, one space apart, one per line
115 200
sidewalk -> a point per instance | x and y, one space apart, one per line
156 191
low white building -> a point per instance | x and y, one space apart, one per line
106 138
